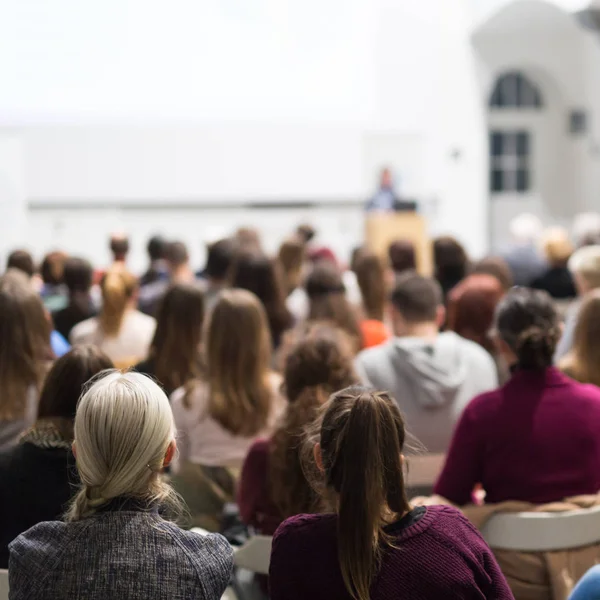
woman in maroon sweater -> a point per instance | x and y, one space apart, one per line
376 547
536 438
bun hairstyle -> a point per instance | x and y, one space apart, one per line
118 287
362 437
111 461
528 322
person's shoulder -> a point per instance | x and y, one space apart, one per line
449 523
142 319
303 527
260 448
191 398
41 539
374 354
82 330
588 587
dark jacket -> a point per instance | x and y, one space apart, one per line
67 318
122 554
35 485
558 282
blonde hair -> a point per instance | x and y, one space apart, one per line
556 246
238 357
581 363
118 287
585 263
110 460
24 343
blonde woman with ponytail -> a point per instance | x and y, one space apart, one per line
121 331
375 546
115 543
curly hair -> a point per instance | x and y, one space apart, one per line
318 361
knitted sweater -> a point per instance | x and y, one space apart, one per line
439 555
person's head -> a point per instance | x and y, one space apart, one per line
525 229
327 300
497 267
24 343
291 256
416 306
78 275
119 288
21 260
220 256
318 360
254 271
156 248
110 460
248 238
584 264
53 267
402 256
386 178
582 361
471 307
450 260
66 379
306 232
177 257
371 277
586 229
362 436
527 329
175 347
237 351
119 246
557 247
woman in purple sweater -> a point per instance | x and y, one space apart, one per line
536 438
375 546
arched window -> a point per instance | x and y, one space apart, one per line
515 90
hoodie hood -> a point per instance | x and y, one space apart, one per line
433 370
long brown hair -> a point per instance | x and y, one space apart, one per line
175 347
582 361
328 302
24 343
291 256
238 355
318 360
362 437
118 288
370 275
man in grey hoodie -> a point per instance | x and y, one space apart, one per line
432 375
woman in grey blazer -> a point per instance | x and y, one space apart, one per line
115 545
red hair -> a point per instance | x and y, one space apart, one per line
471 306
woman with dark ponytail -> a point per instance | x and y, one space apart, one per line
508 439
376 546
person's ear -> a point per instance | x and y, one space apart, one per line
318 457
74 448
170 453
440 316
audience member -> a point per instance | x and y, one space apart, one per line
451 262
248 238
497 267
586 229
53 292
220 415
523 256
291 256
557 279
115 543
157 270
317 362
306 232
583 360
588 587
78 274
220 257
21 260
25 354
432 375
371 275
119 330
174 357
402 256
585 267
471 307
506 439
254 271
35 476
376 546
119 247
327 301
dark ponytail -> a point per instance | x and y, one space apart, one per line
528 322
362 436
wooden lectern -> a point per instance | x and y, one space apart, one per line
383 228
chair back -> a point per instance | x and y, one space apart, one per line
3 584
424 470
543 532
255 554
